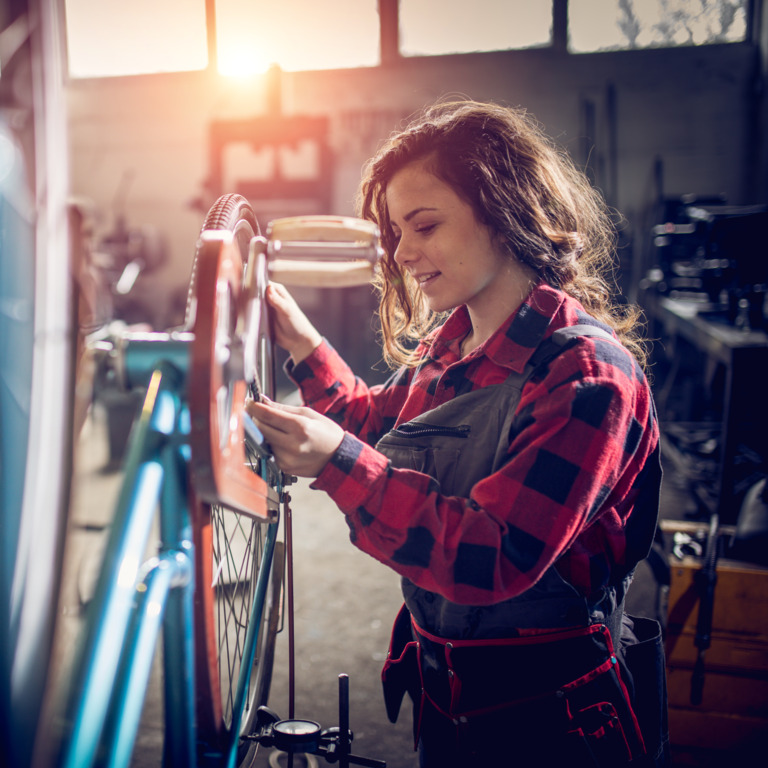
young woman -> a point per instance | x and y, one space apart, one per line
508 470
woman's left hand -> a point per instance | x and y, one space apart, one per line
301 439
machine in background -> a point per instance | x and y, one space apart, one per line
714 254
705 298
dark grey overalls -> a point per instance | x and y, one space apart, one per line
543 674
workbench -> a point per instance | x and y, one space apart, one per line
743 353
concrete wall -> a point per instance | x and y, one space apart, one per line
688 117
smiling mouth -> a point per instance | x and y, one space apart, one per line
424 279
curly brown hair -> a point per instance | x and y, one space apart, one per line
521 185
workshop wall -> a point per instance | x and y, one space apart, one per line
672 120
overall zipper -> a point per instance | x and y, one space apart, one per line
410 429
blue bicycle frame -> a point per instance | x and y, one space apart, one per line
133 601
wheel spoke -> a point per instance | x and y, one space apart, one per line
237 543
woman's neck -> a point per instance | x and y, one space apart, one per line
489 312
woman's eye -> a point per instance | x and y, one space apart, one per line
425 229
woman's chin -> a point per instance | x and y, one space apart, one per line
437 305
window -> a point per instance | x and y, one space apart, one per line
433 28
114 37
296 34
605 25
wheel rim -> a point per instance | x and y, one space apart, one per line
229 545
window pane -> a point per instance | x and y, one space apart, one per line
115 37
601 25
430 27
296 34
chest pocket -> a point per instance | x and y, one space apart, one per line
458 443
435 450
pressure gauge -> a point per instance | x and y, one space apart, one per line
296 735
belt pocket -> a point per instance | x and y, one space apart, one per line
644 656
602 717
400 674
597 736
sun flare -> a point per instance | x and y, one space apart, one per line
242 61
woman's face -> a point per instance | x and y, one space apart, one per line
441 244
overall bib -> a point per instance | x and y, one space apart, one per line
545 676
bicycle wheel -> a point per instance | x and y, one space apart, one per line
230 545
37 347
232 548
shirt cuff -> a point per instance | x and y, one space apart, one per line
354 473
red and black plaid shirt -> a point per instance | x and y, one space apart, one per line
581 437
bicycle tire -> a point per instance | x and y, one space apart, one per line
37 328
228 553
232 213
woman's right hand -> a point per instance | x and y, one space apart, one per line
293 331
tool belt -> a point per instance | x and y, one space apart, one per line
556 684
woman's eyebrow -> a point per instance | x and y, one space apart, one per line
408 216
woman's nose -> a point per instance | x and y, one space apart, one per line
403 253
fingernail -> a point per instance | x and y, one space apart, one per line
264 399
